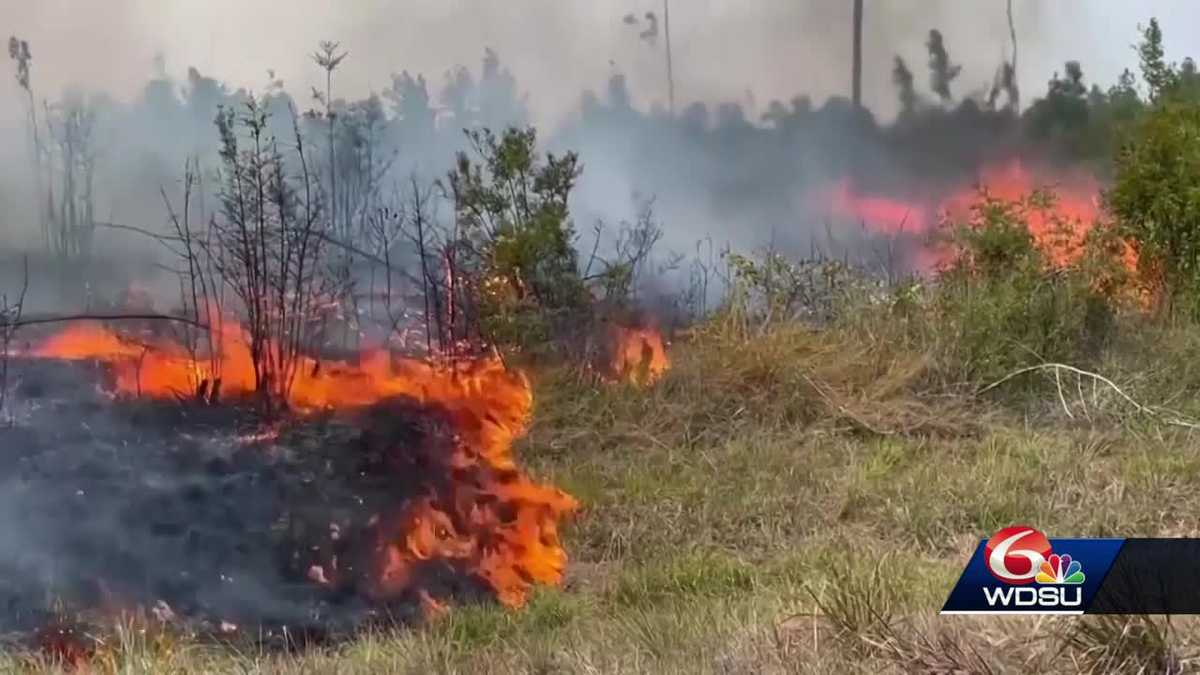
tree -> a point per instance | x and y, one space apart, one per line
19 52
409 97
1064 110
1156 195
902 77
513 265
1158 74
500 104
941 72
72 209
856 67
1010 68
328 59
266 247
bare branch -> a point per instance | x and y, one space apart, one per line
67 318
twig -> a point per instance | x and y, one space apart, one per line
1082 400
1062 399
139 230
1174 419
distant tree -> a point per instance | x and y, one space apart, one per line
1124 95
1063 115
458 97
411 105
19 52
1005 83
500 103
902 77
363 161
941 71
71 208
856 62
202 96
1158 74
328 59
1187 84
776 114
1010 67
618 93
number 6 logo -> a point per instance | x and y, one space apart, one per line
1015 553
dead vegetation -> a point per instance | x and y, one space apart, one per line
10 320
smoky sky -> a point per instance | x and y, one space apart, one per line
740 187
749 51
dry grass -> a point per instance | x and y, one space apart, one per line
801 503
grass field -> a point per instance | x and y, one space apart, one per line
801 502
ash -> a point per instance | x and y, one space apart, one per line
110 505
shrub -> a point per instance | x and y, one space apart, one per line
1156 195
516 234
1157 198
773 289
1002 304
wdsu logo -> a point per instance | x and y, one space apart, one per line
1020 571
1018 556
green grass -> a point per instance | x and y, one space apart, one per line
798 504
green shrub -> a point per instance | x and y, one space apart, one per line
1156 195
1001 304
511 206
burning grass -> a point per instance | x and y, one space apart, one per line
398 498
798 502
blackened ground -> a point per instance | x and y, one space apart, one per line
113 504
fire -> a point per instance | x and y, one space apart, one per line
161 368
1060 231
881 214
66 645
637 354
460 506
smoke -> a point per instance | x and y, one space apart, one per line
774 48
154 72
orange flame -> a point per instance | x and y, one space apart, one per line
479 513
1059 231
637 354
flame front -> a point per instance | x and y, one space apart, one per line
461 505
1059 231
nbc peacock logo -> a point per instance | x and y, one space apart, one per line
1060 569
